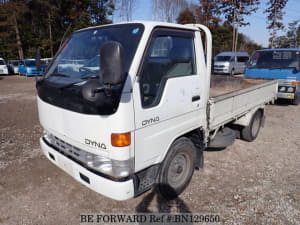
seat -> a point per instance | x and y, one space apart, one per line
181 62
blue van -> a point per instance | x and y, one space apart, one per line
282 64
28 68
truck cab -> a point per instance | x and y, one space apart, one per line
127 107
282 64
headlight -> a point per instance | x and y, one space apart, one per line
49 137
114 168
290 89
28 70
282 89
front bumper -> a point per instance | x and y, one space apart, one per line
3 71
221 70
118 190
286 95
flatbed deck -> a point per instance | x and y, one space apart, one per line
233 97
221 85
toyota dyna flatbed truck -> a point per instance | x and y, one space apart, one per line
131 106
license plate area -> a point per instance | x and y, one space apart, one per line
64 164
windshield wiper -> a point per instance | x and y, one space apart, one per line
76 82
59 75
89 77
68 85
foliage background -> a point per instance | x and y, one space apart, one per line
26 25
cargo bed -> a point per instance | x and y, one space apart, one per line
233 97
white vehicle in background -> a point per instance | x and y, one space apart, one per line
129 107
230 62
3 67
13 66
46 61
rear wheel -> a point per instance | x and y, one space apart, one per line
250 132
177 168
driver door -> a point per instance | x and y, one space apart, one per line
167 95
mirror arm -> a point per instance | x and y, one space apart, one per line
105 88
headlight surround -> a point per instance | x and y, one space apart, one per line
111 167
282 89
290 89
49 137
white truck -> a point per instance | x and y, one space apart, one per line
142 106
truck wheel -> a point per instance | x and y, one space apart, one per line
232 72
250 132
177 169
296 100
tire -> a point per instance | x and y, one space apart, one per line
296 100
232 72
177 169
250 132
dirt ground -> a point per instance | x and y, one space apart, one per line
247 183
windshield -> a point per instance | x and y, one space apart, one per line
275 60
223 58
79 57
29 63
15 63
2 62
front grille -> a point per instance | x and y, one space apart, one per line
219 66
67 149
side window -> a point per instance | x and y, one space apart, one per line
243 59
21 63
170 55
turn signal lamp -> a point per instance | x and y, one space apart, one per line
121 140
296 83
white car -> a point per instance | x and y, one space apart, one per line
13 66
3 67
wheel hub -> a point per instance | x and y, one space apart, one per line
178 170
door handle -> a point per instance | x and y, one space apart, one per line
195 98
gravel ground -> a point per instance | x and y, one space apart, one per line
247 183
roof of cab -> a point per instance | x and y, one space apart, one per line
28 59
233 54
279 49
148 24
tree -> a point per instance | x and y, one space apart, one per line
208 13
99 10
274 16
11 16
222 40
235 11
168 10
292 37
186 16
293 34
27 25
125 8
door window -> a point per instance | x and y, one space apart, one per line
242 59
170 54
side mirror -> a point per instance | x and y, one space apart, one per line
111 63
